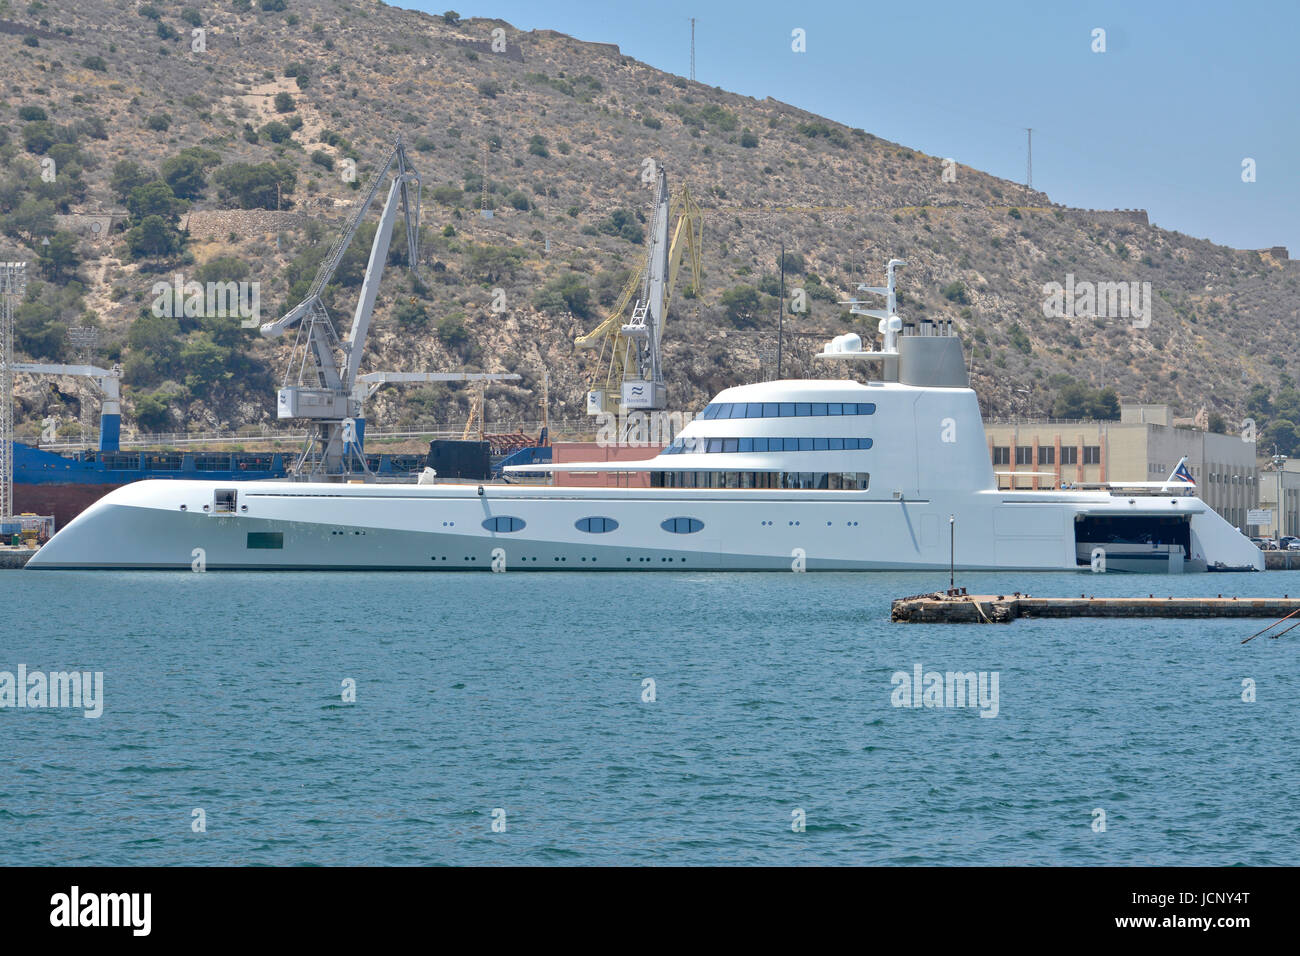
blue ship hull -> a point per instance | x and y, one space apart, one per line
65 485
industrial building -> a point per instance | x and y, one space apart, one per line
1144 445
1283 481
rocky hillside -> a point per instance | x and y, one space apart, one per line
220 140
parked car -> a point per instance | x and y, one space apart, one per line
1264 544
1284 542
1294 545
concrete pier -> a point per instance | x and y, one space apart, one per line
15 557
943 608
1282 560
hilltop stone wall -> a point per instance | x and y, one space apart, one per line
221 223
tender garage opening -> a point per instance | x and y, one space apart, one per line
1133 542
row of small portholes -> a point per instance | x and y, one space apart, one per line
795 524
504 524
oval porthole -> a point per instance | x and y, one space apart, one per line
503 524
682 525
596 525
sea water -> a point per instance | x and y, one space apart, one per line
641 718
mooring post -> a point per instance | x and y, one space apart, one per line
952 550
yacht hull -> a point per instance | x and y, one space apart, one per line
302 526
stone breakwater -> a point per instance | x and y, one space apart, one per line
941 608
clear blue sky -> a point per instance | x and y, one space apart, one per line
1162 120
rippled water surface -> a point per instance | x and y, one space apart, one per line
523 693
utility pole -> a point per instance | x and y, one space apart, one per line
13 284
780 318
1279 462
546 403
692 49
1029 168
952 552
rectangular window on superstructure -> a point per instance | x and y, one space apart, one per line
1001 455
1047 455
1069 454
1092 454
1024 455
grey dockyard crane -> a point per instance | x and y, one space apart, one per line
326 367
328 390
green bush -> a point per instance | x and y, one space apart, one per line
447 195
38 137
956 292
154 199
223 269
411 315
741 305
277 132
153 237
59 260
567 293
153 411
452 332
254 185
127 175
187 172
622 222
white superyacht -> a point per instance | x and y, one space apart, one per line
816 475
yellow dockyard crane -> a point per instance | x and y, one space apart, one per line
628 373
